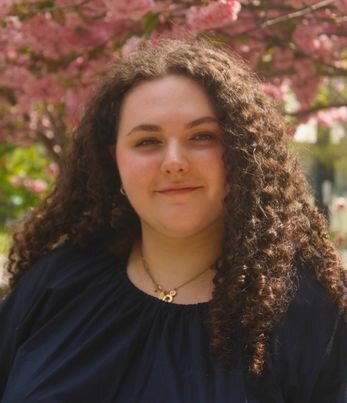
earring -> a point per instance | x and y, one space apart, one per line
122 191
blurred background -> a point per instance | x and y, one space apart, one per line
53 52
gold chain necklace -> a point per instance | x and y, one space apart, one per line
168 296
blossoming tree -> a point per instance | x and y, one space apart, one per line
53 50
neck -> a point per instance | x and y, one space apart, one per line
175 260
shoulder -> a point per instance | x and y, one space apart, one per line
66 271
307 356
310 342
310 291
55 279
311 315
67 264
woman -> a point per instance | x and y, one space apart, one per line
179 257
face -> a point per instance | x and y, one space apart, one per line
169 156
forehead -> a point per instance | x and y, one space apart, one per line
169 95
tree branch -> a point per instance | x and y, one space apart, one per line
314 109
289 16
297 14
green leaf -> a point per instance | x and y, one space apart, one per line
150 22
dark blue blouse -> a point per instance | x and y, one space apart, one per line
75 329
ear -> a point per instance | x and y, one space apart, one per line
112 151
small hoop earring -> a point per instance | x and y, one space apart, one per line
122 191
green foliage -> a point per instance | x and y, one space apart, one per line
150 22
24 179
4 242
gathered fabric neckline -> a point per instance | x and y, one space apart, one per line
138 293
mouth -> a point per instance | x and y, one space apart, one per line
179 190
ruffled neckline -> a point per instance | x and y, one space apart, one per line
145 297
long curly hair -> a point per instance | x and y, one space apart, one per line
271 225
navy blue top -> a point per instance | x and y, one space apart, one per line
75 329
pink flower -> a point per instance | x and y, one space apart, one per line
305 38
45 88
342 6
52 169
283 58
274 91
5 6
16 181
329 116
131 46
305 82
35 185
316 39
217 14
132 9
251 51
341 203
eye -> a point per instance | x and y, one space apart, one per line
146 142
205 136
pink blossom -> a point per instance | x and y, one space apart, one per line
252 51
12 32
35 185
131 45
55 40
31 91
78 35
79 62
274 91
45 88
66 3
283 58
305 82
329 116
339 85
45 36
217 14
341 203
88 8
16 76
95 68
132 9
342 5
52 169
5 6
304 37
315 39
74 100
16 181
245 22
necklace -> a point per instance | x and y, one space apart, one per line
164 295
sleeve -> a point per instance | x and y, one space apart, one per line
20 309
310 349
307 356
331 383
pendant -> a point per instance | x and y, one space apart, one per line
167 296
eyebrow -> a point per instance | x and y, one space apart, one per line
156 128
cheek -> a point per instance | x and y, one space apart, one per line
215 167
133 170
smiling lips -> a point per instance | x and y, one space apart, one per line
178 190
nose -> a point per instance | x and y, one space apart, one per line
174 159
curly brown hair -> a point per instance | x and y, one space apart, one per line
271 226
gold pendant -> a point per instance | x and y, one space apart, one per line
167 296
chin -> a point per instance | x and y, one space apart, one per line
184 231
